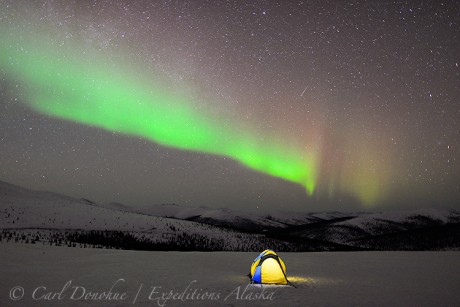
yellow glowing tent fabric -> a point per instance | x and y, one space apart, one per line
268 268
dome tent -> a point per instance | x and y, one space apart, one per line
268 268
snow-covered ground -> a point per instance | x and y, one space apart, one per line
218 278
42 214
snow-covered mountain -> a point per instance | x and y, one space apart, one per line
245 221
30 216
27 212
417 229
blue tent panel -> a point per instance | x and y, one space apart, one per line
257 275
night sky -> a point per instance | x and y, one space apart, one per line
291 105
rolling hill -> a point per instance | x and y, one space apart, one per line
47 217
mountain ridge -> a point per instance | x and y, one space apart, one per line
160 225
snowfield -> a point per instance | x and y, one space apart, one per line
38 275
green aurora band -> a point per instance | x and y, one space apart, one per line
91 91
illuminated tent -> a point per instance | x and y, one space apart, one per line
268 268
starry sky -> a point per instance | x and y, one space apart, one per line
258 105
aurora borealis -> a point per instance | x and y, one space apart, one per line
317 105
107 99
